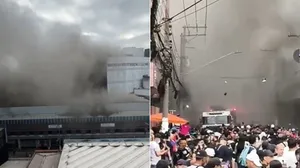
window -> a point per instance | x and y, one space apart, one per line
211 120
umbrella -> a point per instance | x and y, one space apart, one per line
171 118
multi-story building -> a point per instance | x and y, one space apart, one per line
128 74
49 125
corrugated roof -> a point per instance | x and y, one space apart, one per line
22 163
105 155
44 160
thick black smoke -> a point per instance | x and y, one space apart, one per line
48 63
260 30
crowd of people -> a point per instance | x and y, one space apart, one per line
231 146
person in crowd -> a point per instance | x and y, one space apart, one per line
172 143
210 152
252 158
265 156
290 156
181 163
224 153
298 157
185 129
279 151
213 163
162 164
183 151
285 143
155 151
239 146
201 145
265 145
253 146
200 159
272 148
275 164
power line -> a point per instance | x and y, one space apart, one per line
153 21
213 61
197 10
186 22
205 24
196 18
170 19
175 47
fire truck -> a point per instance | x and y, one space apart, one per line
217 117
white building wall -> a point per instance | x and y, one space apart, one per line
133 52
124 74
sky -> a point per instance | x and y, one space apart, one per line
122 22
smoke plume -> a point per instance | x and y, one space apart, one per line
49 63
259 29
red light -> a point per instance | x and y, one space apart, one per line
234 109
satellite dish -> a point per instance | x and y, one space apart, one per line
296 55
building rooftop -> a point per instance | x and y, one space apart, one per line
44 159
46 112
109 154
15 163
40 159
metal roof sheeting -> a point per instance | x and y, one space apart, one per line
22 163
105 155
44 160
40 159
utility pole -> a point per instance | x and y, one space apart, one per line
165 112
184 61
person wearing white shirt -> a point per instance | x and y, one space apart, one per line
253 159
279 150
290 156
155 151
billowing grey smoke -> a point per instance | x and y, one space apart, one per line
260 30
48 63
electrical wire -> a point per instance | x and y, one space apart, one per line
196 11
163 54
196 18
153 21
167 72
206 11
174 44
171 61
186 22
179 13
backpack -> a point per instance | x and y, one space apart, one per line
243 157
